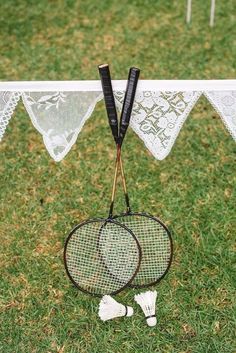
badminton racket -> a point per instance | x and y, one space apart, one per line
152 234
102 256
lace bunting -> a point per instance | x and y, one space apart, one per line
157 117
59 117
225 105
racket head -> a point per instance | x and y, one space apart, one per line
156 243
92 247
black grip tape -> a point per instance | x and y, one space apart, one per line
109 99
128 102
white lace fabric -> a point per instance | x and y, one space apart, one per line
59 117
157 117
225 104
8 103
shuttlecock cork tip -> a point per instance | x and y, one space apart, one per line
152 321
130 311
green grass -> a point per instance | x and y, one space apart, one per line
193 190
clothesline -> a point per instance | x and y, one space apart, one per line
118 85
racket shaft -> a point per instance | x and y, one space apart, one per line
114 184
118 165
128 208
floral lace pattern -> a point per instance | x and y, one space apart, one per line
225 104
47 101
59 117
8 102
157 117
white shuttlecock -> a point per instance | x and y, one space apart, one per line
109 309
147 301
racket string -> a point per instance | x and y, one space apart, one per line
156 247
101 257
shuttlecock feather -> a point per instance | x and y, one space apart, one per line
109 309
147 301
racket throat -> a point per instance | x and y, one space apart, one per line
128 208
110 215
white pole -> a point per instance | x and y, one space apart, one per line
212 14
118 85
189 10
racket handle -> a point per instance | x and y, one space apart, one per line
128 102
109 99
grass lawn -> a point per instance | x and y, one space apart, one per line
193 189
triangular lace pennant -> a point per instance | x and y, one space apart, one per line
224 103
8 103
59 117
157 117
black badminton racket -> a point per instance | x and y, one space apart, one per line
152 234
102 256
